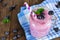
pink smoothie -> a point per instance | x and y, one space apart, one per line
38 27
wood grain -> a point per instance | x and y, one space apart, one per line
13 24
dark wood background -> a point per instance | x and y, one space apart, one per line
13 24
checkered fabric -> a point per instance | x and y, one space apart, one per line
23 20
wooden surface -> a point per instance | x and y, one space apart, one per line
13 24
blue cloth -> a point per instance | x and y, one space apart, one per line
25 23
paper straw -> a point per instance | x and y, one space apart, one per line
28 7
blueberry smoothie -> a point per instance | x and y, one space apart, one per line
40 22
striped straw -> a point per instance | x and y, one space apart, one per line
28 7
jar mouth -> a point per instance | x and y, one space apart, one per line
41 21
39 12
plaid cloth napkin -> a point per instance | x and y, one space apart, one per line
55 29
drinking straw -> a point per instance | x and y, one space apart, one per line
28 7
